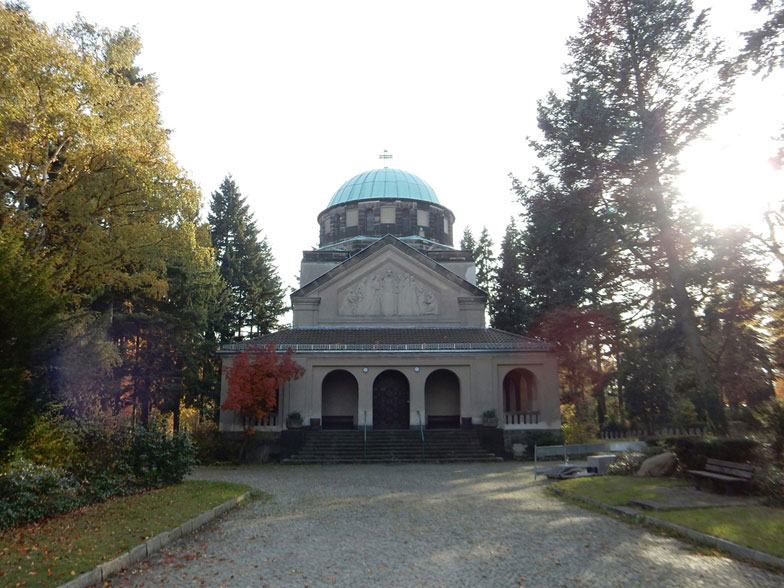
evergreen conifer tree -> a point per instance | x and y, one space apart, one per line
468 243
507 307
254 293
645 81
485 261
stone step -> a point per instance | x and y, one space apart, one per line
419 444
320 454
299 461
404 446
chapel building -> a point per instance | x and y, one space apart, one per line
390 326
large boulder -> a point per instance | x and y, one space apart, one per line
663 464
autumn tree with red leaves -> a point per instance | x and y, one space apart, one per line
254 379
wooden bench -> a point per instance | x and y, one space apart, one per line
729 473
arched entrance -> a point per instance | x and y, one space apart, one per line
390 401
519 391
339 400
442 400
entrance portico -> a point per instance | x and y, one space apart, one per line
388 324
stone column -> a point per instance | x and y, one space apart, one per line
416 393
364 393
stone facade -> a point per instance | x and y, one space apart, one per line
390 330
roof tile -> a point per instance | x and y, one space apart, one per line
392 339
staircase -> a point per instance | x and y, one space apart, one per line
322 447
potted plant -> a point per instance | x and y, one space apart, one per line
294 420
489 418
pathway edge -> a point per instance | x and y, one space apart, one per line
104 571
727 546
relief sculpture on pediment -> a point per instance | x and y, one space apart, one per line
388 293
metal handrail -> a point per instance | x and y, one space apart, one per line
421 433
364 439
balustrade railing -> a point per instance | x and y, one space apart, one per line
271 420
659 432
522 418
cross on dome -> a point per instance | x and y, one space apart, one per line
385 155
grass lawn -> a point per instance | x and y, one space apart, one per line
618 490
758 527
51 552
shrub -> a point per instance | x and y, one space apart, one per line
770 419
693 452
534 438
107 461
770 483
576 424
628 462
29 492
153 459
211 445
99 447
52 441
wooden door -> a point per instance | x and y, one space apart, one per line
390 401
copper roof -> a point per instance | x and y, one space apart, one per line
401 339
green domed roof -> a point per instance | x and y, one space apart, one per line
384 183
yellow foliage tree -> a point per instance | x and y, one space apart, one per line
93 206
86 173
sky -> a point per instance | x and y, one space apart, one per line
293 98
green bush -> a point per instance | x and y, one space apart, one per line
29 492
770 483
99 448
693 452
769 418
153 459
101 459
542 438
628 462
52 441
577 424
211 445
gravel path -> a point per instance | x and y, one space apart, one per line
424 525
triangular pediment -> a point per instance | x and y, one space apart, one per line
388 282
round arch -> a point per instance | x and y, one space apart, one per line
519 391
391 401
442 400
339 400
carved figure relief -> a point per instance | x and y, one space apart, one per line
388 294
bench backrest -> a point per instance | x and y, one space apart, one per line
730 468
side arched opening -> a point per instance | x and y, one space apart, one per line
520 403
442 400
339 400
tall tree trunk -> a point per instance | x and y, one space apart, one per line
144 418
688 322
663 218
